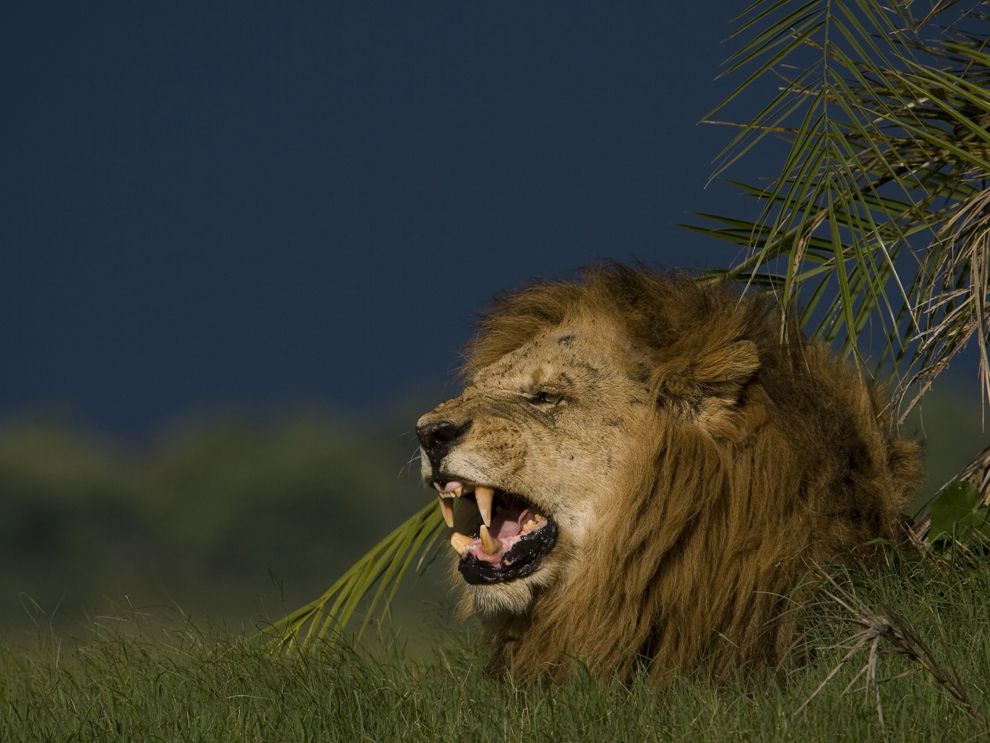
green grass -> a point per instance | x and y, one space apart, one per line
141 683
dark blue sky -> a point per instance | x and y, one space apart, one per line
205 206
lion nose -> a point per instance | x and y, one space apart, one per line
437 438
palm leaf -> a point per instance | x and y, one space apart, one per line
385 565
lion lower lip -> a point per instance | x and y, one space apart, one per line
522 559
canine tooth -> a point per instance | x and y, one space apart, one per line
484 497
489 544
447 509
460 542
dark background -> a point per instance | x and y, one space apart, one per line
242 246
207 206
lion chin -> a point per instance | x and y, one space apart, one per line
638 473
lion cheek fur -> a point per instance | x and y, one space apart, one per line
750 460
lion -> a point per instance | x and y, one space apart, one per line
639 472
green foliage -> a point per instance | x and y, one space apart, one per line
956 516
141 682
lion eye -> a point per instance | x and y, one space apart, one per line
544 398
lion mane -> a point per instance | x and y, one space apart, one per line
754 459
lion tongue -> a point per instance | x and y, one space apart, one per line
508 522
507 526
512 519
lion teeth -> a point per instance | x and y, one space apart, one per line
460 542
489 544
484 497
447 509
453 489
529 526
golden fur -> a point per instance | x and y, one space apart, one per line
694 464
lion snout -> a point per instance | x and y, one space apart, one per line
436 438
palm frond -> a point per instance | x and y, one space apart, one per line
385 565
876 220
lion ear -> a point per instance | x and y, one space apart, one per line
733 364
718 373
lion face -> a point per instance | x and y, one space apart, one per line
525 459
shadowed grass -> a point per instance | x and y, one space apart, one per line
135 683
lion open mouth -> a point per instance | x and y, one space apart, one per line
507 535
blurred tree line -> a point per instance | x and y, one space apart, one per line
229 516
237 518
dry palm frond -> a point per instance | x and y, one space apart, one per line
953 299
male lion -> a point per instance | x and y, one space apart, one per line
639 472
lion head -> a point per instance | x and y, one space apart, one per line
638 472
